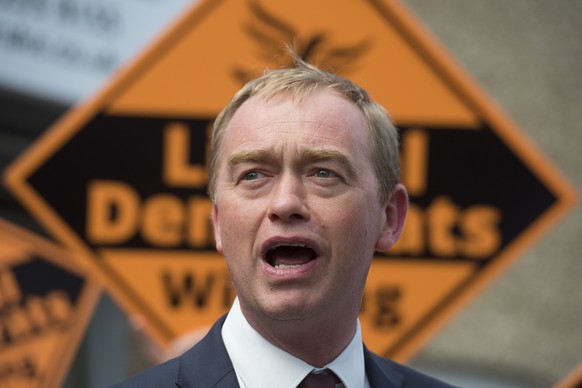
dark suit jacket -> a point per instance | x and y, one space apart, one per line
207 365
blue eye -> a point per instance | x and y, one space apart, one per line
251 175
322 173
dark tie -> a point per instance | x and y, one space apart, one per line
314 380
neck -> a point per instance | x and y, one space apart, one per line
317 341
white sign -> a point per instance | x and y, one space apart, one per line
65 49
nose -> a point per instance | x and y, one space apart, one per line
287 202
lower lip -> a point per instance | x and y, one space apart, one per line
289 273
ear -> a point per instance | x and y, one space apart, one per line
394 212
216 228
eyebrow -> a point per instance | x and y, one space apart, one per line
249 156
312 155
323 155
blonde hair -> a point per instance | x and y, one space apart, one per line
300 81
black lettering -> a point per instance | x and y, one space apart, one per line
388 314
29 368
34 317
17 369
187 288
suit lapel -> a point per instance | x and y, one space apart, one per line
380 372
207 364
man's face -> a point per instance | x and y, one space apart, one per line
297 215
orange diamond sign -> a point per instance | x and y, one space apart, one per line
46 301
122 179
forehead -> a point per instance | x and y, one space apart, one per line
322 117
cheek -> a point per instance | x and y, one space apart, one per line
237 228
352 214
231 235
357 230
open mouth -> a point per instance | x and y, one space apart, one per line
289 255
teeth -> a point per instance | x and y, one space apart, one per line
288 266
290 245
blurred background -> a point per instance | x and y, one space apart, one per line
525 330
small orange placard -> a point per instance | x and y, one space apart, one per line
46 302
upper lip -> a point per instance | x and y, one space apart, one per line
297 241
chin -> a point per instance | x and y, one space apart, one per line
290 309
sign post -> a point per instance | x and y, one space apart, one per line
122 179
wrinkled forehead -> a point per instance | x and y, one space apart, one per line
316 128
322 113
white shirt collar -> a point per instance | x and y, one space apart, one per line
258 363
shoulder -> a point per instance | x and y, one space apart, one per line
163 375
378 368
206 364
